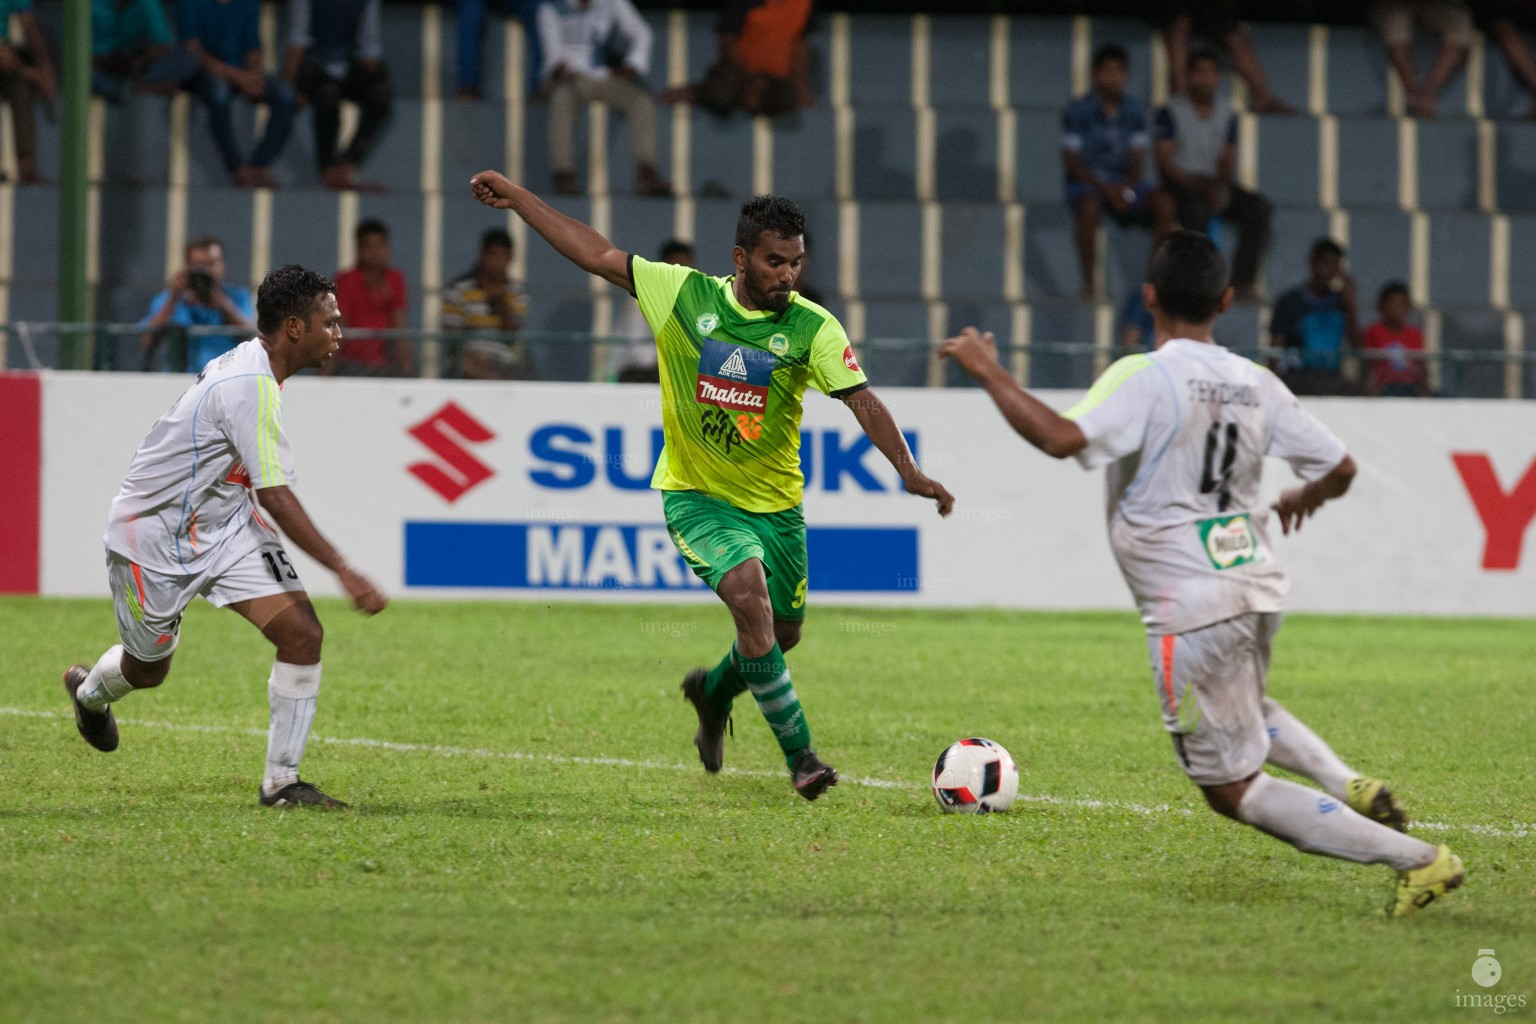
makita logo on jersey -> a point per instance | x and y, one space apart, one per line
734 376
730 396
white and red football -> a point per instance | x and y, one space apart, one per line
975 776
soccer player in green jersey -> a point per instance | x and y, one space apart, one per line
735 355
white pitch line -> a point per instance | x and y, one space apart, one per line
442 750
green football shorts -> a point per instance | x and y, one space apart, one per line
714 537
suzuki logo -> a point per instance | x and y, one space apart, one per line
1505 514
445 433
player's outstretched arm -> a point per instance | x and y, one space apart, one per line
570 237
1296 504
283 506
1034 421
880 427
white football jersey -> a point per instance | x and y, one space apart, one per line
188 490
1184 431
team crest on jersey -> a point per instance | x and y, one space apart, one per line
706 323
734 376
778 344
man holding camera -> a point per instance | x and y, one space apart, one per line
197 296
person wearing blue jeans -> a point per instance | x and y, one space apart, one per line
1104 143
471 24
224 36
132 47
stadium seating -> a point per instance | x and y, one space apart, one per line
972 251
805 155
1040 65
1357 72
1368 162
960 57
1522 263
932 135
1288 160
966 157
891 250
1387 235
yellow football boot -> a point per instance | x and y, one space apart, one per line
1372 798
1420 887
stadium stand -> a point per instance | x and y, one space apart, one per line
930 167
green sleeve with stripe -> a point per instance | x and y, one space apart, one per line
834 370
252 420
1120 371
656 288
1113 415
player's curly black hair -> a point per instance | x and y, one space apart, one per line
1189 275
768 213
288 291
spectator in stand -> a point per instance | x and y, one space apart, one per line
1505 23
26 77
1137 330
634 354
1186 25
1395 20
1196 152
1393 372
225 37
764 66
1312 323
471 33
132 47
598 50
197 296
1104 143
804 285
372 295
487 301
335 53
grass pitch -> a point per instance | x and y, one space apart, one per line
560 856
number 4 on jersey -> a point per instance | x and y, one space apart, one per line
1212 478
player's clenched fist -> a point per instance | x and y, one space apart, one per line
493 189
973 350
366 598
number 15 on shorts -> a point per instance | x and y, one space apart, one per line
278 564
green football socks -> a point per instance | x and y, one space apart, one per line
768 679
724 684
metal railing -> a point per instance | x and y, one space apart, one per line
582 356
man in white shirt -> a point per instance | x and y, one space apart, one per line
1184 433
598 50
188 521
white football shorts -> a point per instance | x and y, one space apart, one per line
149 604
1211 684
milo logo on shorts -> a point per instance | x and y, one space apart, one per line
1230 541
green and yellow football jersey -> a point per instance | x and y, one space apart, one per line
732 381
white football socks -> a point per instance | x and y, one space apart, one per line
106 683
1315 823
1296 748
291 691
